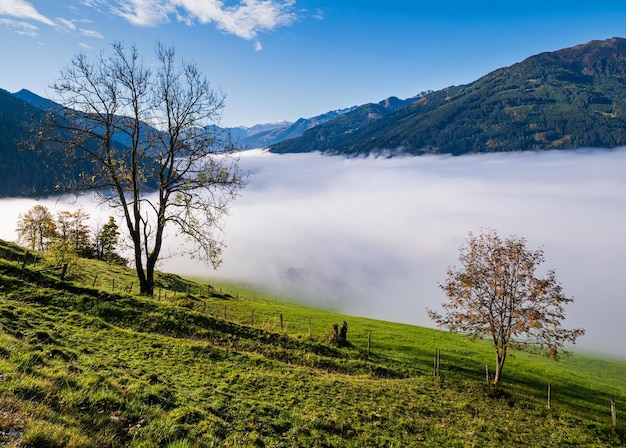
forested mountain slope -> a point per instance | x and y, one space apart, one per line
572 98
22 171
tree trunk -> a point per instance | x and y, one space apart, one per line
500 358
496 377
146 288
152 258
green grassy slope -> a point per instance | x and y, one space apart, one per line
84 363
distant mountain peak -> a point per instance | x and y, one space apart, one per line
35 100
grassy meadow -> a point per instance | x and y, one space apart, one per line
85 362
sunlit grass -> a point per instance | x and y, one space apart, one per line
84 363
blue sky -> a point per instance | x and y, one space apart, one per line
286 59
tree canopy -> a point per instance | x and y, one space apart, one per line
36 228
496 293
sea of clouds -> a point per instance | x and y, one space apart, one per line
373 236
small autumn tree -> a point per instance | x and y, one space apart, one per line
36 228
73 230
496 294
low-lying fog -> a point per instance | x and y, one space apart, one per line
373 237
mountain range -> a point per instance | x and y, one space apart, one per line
570 98
266 135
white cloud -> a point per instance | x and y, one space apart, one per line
67 24
258 46
245 19
23 10
91 33
318 14
143 12
21 27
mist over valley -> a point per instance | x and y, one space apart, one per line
373 236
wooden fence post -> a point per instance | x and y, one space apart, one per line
281 323
369 342
309 326
224 312
95 279
436 363
613 413
253 318
487 373
64 271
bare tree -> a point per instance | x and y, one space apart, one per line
148 135
496 294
